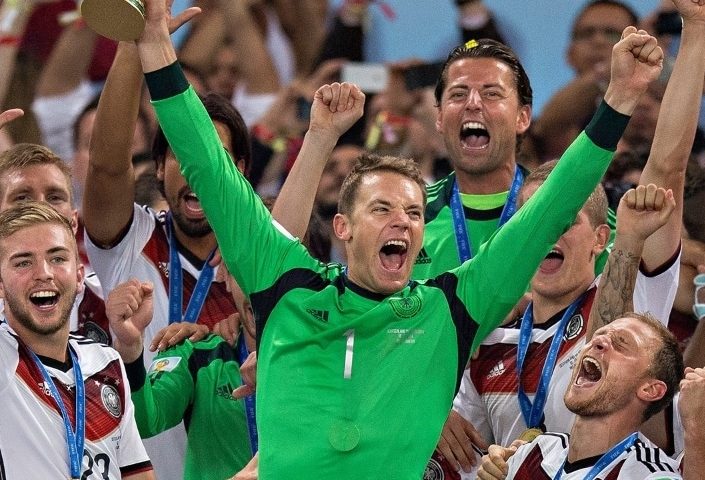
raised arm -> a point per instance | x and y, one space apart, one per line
335 109
240 222
14 15
675 129
531 233
641 212
109 190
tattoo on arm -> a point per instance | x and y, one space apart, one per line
615 294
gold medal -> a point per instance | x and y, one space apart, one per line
529 434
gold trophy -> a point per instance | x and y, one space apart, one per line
115 19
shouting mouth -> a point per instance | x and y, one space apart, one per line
393 254
44 299
474 136
589 374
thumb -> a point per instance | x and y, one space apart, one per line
243 391
176 22
147 288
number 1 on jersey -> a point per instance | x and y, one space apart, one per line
349 344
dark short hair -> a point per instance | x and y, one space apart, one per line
368 163
488 48
666 362
219 110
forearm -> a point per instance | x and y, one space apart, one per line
109 188
616 290
296 198
242 220
154 413
69 61
204 40
694 354
258 70
673 139
694 459
13 19
535 228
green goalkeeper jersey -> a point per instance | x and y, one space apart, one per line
353 384
193 382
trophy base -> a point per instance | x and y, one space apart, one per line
114 19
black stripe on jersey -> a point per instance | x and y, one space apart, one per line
263 302
562 436
651 458
438 197
2 467
465 326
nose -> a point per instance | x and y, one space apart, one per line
401 219
601 342
43 270
474 99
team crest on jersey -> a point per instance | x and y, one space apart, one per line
574 327
94 332
433 471
111 400
405 307
166 364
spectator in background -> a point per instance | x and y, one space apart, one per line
595 30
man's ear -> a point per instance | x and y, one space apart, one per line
80 275
341 227
652 390
523 119
160 170
602 238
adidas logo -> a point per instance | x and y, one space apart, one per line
321 315
497 370
423 258
225 391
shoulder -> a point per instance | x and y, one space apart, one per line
644 461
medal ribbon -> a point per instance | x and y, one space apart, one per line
462 239
610 456
176 288
250 412
533 414
75 440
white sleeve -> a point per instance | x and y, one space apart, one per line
468 403
655 294
115 265
56 116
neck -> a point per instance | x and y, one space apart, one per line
544 308
52 346
201 247
590 437
495 181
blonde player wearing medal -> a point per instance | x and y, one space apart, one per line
66 400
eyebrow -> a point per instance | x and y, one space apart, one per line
51 251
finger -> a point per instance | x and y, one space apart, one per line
629 198
460 446
650 197
335 90
628 31
216 259
445 451
344 97
640 202
659 200
9 115
157 339
647 49
655 57
325 94
243 391
476 438
176 22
